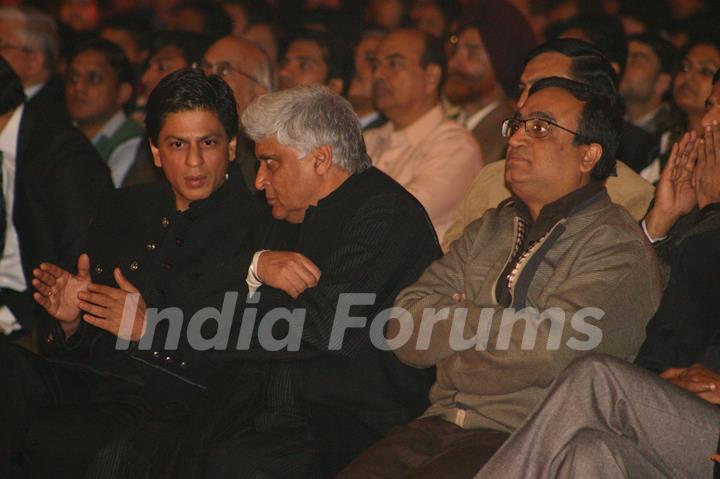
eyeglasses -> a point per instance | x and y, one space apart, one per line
534 127
222 69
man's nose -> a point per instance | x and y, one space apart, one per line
261 177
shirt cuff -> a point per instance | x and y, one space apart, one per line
8 323
647 235
253 280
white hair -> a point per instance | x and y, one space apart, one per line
306 117
38 32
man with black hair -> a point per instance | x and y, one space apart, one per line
163 245
558 247
576 60
98 84
316 58
647 80
434 158
200 17
52 178
607 418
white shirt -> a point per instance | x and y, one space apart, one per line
31 91
11 272
123 156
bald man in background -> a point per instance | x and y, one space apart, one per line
247 69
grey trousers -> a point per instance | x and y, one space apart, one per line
606 418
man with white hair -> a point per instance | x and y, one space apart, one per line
30 43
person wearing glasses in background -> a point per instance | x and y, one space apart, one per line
558 242
247 69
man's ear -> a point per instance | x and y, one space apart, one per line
336 85
124 93
593 153
662 84
155 154
232 148
322 158
433 75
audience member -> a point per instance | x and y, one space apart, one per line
315 58
200 17
646 90
387 14
360 92
484 63
567 58
646 83
343 227
559 245
29 42
171 52
98 84
434 158
51 181
248 71
674 212
619 420
163 244
693 83
80 15
435 16
134 34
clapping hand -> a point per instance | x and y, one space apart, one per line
57 291
675 194
706 177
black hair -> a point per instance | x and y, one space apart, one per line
604 31
216 22
703 37
589 64
137 26
667 54
336 53
192 45
11 90
189 89
600 121
434 54
114 55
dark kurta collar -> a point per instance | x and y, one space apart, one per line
553 212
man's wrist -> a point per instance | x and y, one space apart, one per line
253 280
657 225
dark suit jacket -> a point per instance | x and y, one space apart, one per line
488 133
638 148
49 101
58 183
369 236
686 327
176 260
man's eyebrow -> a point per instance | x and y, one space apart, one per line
394 56
267 156
542 114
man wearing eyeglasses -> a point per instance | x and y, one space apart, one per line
29 42
246 68
554 249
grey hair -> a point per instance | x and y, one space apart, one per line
38 32
306 117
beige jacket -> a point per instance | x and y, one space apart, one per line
596 257
488 190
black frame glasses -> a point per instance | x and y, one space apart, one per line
534 127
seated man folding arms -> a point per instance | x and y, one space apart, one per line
169 242
558 247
